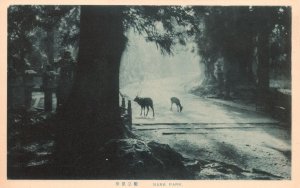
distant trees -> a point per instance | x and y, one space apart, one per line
20 24
245 37
249 43
36 34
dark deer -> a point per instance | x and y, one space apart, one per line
144 103
177 102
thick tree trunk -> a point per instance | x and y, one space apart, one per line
244 68
91 116
209 73
263 67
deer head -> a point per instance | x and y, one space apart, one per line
136 98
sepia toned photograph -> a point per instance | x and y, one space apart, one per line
107 92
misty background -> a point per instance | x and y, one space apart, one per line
143 60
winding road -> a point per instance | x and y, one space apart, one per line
210 131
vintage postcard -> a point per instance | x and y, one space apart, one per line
149 94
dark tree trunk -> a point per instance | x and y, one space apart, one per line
263 67
249 72
244 71
209 73
50 45
230 74
289 45
91 116
21 66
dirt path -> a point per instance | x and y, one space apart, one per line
209 131
265 147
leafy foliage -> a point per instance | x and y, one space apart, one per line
29 41
232 33
164 25
220 32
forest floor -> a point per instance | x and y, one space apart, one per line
213 130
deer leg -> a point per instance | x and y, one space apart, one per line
147 110
141 111
171 106
152 110
144 111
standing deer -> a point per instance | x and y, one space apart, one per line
144 103
177 102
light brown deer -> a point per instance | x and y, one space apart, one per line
177 102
